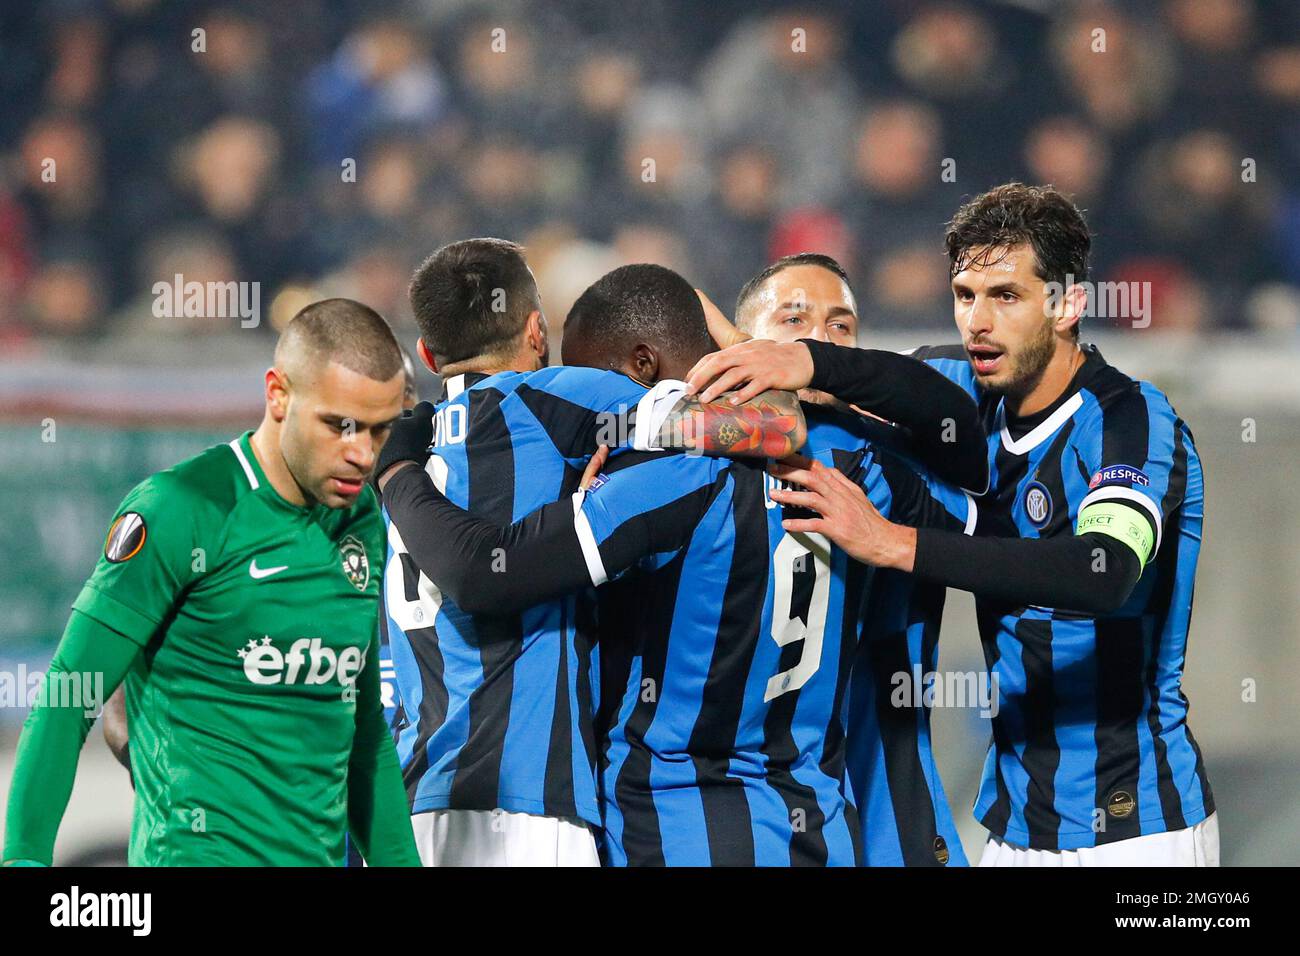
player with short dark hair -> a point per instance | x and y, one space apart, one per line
812 298
724 660
472 299
498 755
236 596
629 307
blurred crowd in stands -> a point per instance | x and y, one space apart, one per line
711 137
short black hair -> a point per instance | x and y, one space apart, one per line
641 303
1014 213
750 288
343 331
472 297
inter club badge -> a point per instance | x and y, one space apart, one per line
1038 504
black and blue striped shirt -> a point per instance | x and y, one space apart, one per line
498 709
1090 741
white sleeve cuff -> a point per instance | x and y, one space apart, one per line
587 541
653 410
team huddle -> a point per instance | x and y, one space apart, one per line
651 606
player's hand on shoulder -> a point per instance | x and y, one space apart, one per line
408 440
594 465
750 368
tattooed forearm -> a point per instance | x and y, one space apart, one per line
770 425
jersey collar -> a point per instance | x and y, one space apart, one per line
455 384
256 475
1069 402
248 461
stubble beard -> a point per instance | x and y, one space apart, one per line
1030 366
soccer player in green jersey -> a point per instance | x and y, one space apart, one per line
237 595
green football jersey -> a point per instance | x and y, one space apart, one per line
256 618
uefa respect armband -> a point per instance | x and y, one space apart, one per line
1121 522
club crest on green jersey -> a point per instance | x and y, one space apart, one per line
356 564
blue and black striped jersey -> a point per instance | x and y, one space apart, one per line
497 710
1090 741
895 783
725 664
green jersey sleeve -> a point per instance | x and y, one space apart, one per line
55 731
378 813
157 545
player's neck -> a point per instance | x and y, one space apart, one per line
520 363
1055 380
265 443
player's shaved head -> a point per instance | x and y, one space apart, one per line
331 397
338 330
647 307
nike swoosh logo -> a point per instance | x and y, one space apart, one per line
257 573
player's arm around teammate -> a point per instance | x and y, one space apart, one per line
1088 603
790 337
1055 573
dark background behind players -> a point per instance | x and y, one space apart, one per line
228 165
230 161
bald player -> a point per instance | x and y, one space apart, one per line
116 728
236 597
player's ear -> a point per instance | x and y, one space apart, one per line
645 361
535 332
1074 301
426 356
277 394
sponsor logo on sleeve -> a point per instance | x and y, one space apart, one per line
125 537
1125 475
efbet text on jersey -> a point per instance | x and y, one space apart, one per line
264 663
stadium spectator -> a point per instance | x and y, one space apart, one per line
331 145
